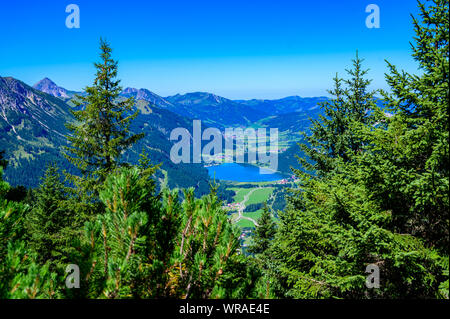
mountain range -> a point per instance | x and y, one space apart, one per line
219 111
33 132
206 106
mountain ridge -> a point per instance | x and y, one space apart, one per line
215 109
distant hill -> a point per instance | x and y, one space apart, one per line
286 105
212 109
146 95
222 112
157 124
293 122
215 110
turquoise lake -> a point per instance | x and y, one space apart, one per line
241 173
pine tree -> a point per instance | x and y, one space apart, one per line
418 134
52 224
20 275
4 186
261 250
264 233
101 132
132 243
208 264
387 204
332 136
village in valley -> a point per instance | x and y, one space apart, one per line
248 202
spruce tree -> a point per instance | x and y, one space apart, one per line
4 186
332 136
262 259
52 224
264 233
20 275
387 204
416 147
101 132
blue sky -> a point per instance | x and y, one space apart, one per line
239 49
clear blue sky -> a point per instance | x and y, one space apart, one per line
234 48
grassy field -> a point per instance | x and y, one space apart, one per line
260 195
240 193
261 192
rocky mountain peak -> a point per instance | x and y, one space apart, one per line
48 86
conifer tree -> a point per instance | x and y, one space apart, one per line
20 275
207 252
264 233
132 242
332 136
385 205
418 136
4 186
101 132
261 250
52 224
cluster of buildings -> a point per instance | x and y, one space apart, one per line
233 206
285 181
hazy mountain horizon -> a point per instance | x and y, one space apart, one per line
48 81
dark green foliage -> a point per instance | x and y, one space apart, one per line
207 248
418 135
144 248
279 202
253 207
53 224
134 237
377 190
20 276
16 194
3 161
264 233
4 186
261 253
225 194
289 159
